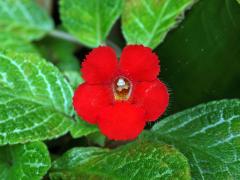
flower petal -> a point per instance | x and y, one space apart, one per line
122 121
139 63
153 97
89 100
100 66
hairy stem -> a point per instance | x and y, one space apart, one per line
64 36
115 47
67 37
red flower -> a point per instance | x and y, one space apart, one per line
121 96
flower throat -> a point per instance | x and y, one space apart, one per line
122 88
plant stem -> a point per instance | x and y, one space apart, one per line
67 37
64 36
115 47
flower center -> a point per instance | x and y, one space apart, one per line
122 88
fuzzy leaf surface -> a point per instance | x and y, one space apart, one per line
141 159
24 161
24 18
35 99
148 21
90 21
209 136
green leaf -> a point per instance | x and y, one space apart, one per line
148 21
15 43
74 78
35 99
133 161
60 52
82 128
97 138
238 1
90 21
24 18
62 167
209 136
23 162
200 59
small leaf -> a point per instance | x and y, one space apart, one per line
97 138
35 99
24 18
16 44
209 136
24 161
82 128
133 161
74 78
90 21
148 21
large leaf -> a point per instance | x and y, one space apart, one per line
15 43
141 159
35 99
24 18
148 21
90 21
209 136
200 59
23 162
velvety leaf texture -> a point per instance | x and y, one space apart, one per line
209 136
90 21
148 21
24 18
35 99
133 161
24 162
11 42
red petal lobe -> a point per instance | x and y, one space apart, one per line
89 100
122 121
139 63
153 97
100 66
